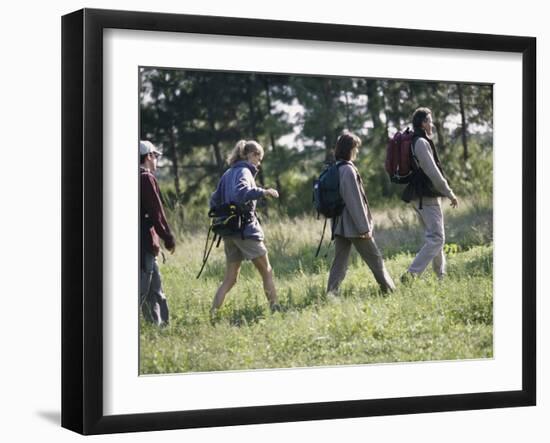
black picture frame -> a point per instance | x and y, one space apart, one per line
82 218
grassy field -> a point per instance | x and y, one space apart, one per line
426 320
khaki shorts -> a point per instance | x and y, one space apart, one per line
239 249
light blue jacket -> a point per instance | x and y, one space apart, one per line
237 185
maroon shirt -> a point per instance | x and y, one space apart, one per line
153 220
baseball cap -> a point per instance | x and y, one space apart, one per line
146 147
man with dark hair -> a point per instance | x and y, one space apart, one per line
424 192
153 225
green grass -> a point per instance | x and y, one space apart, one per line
427 320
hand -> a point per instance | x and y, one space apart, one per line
170 246
366 235
272 193
454 202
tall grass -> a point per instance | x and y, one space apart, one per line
426 320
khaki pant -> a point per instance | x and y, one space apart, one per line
431 217
369 252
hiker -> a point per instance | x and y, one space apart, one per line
153 225
237 186
355 225
424 193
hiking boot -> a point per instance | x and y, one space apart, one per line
275 307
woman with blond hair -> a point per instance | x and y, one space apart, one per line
355 225
237 186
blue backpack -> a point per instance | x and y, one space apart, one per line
326 191
326 195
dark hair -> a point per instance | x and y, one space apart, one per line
345 144
142 158
420 116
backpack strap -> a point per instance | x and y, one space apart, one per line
322 237
243 224
360 182
417 164
332 236
334 227
207 250
413 152
342 163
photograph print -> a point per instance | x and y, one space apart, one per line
294 221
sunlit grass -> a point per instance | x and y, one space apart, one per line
427 320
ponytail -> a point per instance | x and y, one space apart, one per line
242 149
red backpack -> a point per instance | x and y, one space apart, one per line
399 157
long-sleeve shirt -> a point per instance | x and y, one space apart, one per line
153 218
426 161
237 185
356 218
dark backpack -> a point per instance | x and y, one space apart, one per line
399 163
326 195
326 191
227 219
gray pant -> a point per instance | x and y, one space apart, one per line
371 255
431 217
151 297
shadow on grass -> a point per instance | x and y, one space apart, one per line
252 314
315 297
247 315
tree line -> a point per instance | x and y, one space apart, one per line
196 117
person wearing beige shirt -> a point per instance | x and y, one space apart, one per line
355 225
424 194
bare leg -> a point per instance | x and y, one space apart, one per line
266 271
231 274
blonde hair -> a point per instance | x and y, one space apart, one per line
242 149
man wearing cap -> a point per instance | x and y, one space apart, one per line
153 225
